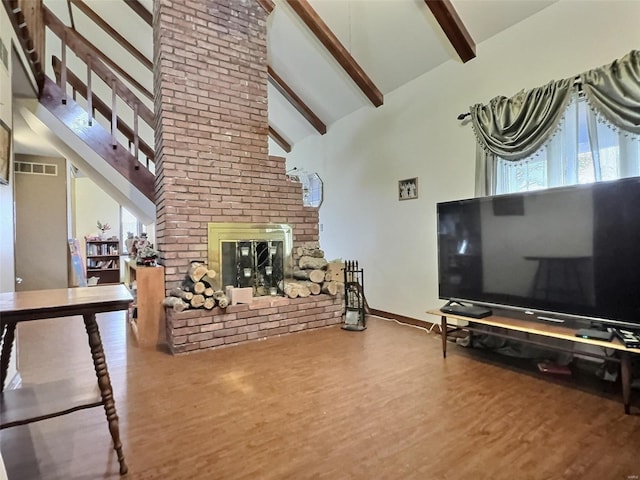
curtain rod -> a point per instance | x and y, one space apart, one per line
576 81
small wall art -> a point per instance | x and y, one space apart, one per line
408 189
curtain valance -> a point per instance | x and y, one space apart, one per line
515 128
613 91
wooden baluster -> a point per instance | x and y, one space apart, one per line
63 73
136 142
114 115
89 94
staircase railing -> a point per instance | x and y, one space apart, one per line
98 104
96 68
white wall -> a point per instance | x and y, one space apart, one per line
6 191
416 134
92 205
7 230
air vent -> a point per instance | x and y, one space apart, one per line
32 168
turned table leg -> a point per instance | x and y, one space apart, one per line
104 382
7 334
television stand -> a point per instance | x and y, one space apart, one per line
536 332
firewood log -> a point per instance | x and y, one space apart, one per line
303 291
221 298
208 292
311 251
313 287
188 284
330 287
178 292
312 263
291 290
177 304
209 303
197 301
300 274
210 279
316 276
223 302
196 271
199 288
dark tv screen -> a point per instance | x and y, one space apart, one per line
569 251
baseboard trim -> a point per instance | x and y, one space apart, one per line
401 318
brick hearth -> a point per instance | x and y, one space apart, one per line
210 79
198 329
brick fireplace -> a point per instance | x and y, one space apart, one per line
210 82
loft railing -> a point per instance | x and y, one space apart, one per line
95 67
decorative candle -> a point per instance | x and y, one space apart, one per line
247 272
268 270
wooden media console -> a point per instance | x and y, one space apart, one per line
535 334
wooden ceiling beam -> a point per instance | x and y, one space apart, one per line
142 12
322 32
97 19
267 5
453 28
296 101
279 139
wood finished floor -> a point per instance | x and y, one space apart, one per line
325 404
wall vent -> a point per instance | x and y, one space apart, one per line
32 168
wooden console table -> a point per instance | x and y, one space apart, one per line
548 330
21 406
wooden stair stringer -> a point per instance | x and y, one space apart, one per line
95 136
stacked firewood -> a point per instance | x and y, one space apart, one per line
313 274
200 289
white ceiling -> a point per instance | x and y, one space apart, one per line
394 41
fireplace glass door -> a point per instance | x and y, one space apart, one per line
258 264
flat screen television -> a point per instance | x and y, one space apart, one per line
563 252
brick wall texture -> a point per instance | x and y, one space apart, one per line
212 162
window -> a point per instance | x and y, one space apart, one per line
585 149
130 227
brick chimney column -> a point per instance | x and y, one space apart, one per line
211 133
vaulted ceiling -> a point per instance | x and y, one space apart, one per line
327 58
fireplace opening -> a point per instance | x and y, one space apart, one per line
258 264
251 255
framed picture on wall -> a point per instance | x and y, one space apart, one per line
5 151
408 189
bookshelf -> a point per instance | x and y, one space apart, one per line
103 260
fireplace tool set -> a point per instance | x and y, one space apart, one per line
354 300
